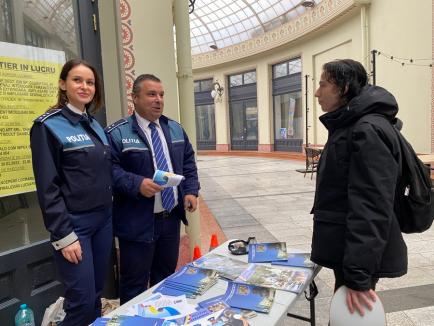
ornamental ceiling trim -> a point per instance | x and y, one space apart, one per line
320 16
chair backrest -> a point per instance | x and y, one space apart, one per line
312 154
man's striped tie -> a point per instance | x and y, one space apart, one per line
167 194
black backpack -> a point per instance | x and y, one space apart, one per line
414 196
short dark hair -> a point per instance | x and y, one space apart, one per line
140 79
348 75
97 101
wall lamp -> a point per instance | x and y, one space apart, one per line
217 92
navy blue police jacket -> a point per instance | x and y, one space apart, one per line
133 213
72 168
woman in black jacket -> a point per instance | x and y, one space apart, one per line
355 230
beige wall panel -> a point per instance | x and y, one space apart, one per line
265 108
152 24
403 30
340 51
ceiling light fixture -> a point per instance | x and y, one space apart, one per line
308 3
191 6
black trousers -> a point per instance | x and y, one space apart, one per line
148 263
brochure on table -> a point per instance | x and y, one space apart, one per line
267 252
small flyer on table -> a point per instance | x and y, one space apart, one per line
225 266
267 252
167 179
296 259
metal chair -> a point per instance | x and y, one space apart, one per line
312 159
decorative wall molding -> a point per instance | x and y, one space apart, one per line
128 50
313 19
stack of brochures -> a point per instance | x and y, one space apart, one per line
189 280
267 252
250 297
226 267
287 280
296 259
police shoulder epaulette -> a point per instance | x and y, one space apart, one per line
115 125
46 115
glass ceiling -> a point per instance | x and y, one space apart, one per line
56 17
221 23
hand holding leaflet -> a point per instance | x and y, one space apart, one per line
167 179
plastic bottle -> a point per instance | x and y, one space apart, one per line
24 316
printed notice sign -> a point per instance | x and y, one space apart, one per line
28 86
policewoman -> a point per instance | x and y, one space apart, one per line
72 168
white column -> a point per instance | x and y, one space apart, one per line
222 121
265 108
186 98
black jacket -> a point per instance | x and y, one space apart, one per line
355 229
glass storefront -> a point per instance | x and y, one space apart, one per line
288 119
205 115
243 111
205 123
43 24
288 116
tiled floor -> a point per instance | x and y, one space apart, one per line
267 198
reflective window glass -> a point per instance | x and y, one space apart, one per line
5 21
294 66
49 27
205 123
250 77
235 80
196 86
288 117
280 70
206 85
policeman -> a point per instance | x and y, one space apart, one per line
72 168
146 216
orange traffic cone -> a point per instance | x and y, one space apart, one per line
196 253
214 242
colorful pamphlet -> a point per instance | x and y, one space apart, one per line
167 179
267 252
161 306
225 266
296 259
287 279
250 297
